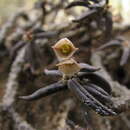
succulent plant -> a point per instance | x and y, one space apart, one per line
123 44
83 81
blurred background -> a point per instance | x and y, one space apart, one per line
18 78
8 7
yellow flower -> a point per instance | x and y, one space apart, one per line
64 49
69 67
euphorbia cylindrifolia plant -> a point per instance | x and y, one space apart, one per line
81 79
123 44
97 12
